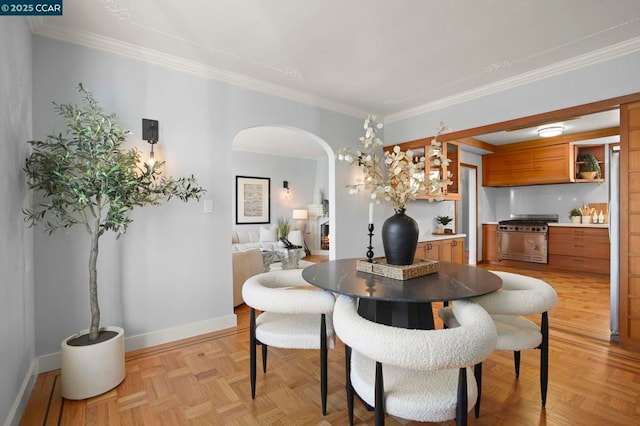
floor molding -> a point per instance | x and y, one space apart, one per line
50 362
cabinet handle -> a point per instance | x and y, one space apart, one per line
576 245
455 243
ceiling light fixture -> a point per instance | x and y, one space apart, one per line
550 131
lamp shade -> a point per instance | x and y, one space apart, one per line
300 214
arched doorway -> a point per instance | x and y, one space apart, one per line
287 154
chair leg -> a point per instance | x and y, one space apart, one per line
379 396
347 370
252 351
477 372
462 402
323 363
544 358
516 362
264 357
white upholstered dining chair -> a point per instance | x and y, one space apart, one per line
294 315
520 295
413 374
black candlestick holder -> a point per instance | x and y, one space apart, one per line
370 248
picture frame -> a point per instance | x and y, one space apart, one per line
253 200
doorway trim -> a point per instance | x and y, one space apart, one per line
473 212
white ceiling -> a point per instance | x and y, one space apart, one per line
392 58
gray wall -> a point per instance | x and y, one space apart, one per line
16 258
173 267
300 173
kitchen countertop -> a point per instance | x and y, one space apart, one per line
569 224
581 225
441 237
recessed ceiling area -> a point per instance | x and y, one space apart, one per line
597 121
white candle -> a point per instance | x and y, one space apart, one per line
370 212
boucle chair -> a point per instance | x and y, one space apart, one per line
519 295
414 374
294 316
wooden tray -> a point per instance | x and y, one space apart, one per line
379 266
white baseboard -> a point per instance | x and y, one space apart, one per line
140 341
15 414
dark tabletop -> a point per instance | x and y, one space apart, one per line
453 281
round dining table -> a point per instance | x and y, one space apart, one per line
402 303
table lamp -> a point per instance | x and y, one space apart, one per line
301 215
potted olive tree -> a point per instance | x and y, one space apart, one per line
85 177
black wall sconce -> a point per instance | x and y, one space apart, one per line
285 185
150 131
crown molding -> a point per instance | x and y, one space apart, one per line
591 58
117 47
40 27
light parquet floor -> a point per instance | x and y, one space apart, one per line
205 380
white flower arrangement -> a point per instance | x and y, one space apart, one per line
398 176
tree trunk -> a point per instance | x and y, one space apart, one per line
93 286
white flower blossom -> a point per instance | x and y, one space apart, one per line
397 176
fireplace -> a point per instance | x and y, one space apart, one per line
324 236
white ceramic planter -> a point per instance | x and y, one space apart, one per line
91 370
576 219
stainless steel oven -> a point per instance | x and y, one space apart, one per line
524 238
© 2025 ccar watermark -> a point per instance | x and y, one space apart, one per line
34 8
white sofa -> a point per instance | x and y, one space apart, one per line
264 239
247 263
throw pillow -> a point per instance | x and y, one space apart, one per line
268 234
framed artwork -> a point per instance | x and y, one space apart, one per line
253 200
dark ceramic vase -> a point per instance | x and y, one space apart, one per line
400 239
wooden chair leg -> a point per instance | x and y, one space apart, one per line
323 363
252 351
516 362
462 402
477 372
347 363
379 396
544 358
264 358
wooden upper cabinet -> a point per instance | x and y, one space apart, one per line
533 166
421 148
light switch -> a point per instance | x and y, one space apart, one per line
208 206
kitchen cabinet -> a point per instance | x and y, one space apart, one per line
579 249
451 149
489 242
533 166
445 250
